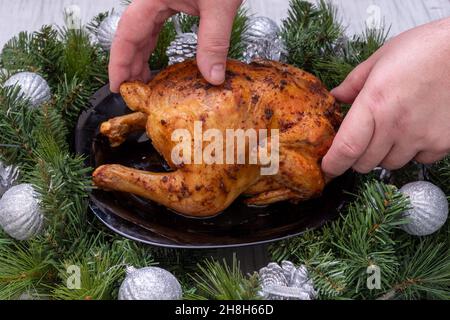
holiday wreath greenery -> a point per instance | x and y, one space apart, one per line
39 142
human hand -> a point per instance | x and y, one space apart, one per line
140 24
401 104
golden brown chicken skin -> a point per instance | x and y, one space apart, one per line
261 95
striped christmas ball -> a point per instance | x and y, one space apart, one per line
150 283
32 86
20 214
429 208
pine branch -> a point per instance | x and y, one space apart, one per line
338 255
17 127
102 266
50 123
63 185
219 281
348 54
424 274
71 98
364 236
159 59
80 59
237 41
310 32
440 175
188 23
23 267
316 42
17 54
36 52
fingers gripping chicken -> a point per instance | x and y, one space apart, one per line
262 95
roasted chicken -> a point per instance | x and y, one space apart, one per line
261 95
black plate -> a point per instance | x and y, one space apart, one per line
148 222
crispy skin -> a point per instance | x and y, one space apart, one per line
118 129
262 95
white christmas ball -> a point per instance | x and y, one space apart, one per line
150 283
429 208
32 87
20 214
106 31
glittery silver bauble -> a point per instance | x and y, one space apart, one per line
184 47
8 177
106 31
32 294
261 28
286 282
20 214
262 41
429 208
32 86
150 283
271 50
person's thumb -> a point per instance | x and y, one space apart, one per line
213 42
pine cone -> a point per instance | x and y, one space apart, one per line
184 47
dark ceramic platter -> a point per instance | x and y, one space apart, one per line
148 222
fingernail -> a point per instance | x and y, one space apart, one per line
218 73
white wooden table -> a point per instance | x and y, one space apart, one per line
18 15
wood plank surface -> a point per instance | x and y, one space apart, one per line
17 15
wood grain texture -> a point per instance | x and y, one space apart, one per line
18 15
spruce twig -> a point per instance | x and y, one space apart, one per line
219 281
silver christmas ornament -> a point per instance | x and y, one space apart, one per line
429 208
286 282
184 47
32 294
261 28
20 214
8 177
106 31
32 86
262 41
274 50
150 283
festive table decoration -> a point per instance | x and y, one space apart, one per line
106 31
32 294
342 258
8 177
32 86
263 41
286 282
184 46
150 283
429 209
20 214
